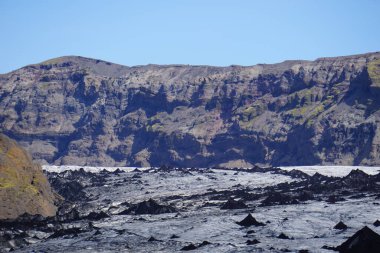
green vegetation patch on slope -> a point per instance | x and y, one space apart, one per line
374 72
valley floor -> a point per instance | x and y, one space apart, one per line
169 210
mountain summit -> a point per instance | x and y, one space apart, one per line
75 110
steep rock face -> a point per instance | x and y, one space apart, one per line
74 110
23 186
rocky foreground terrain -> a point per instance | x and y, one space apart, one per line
210 210
74 110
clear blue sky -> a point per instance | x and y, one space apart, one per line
212 32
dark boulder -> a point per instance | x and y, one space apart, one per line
117 171
70 190
66 232
340 226
96 216
152 239
234 204
356 178
252 242
318 177
328 247
136 176
277 198
189 247
365 240
333 199
204 243
376 223
249 221
149 207
283 236
65 214
305 196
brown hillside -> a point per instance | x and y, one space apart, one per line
23 186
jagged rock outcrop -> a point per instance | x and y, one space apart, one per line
365 240
74 110
23 186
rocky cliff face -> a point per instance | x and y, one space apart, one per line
74 110
23 186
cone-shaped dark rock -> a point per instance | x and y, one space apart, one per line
152 239
234 204
376 223
340 226
365 240
249 221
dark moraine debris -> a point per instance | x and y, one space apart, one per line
376 223
297 174
328 247
70 190
234 204
252 242
152 239
204 243
333 199
149 207
305 196
189 247
67 213
117 171
365 240
356 178
136 176
24 220
283 236
249 221
96 216
66 232
277 198
319 177
340 226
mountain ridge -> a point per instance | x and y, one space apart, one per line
76 110
78 57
